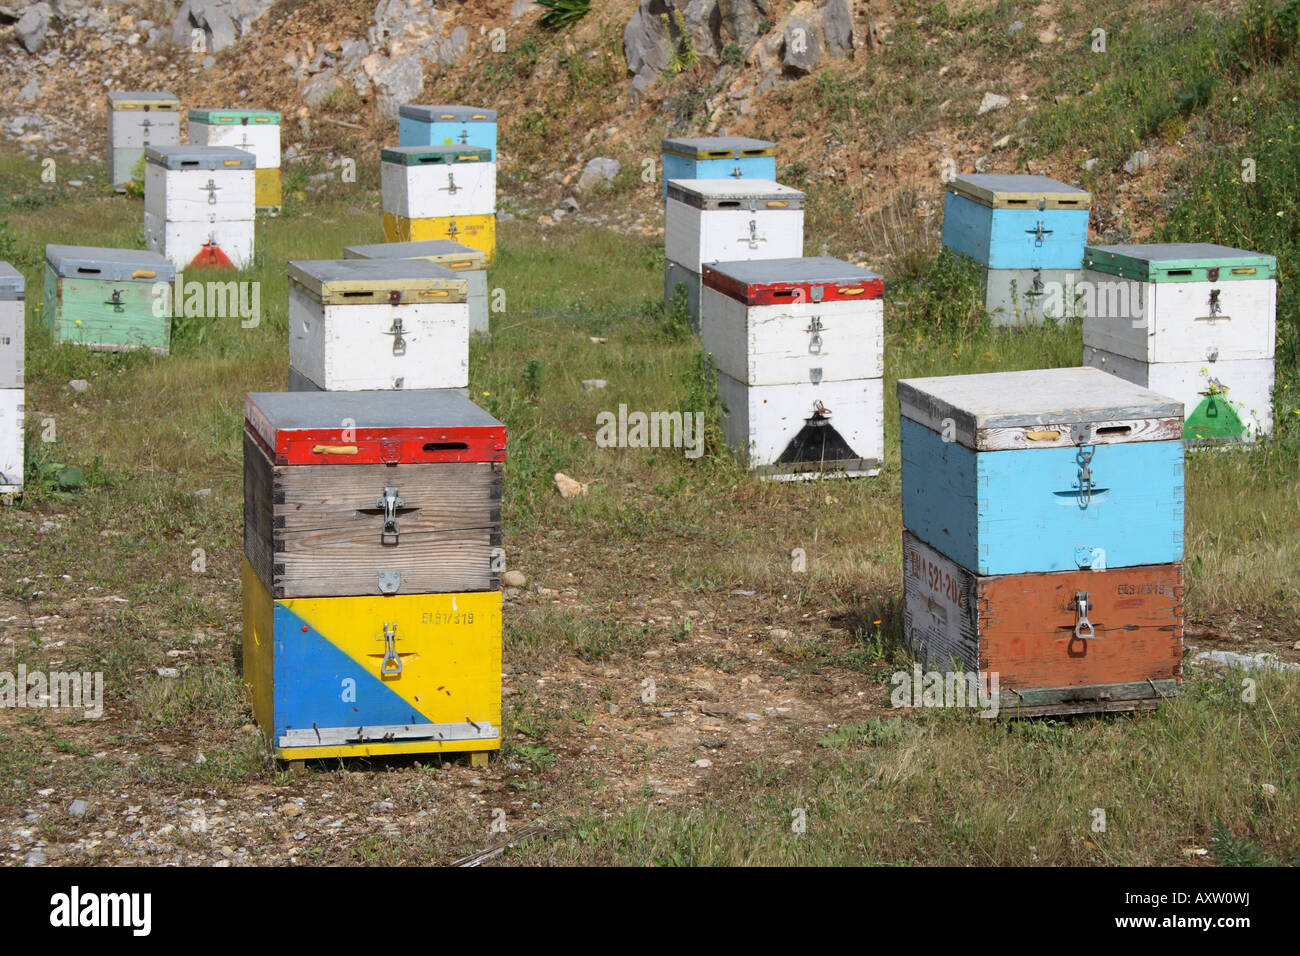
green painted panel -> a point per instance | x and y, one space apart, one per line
1214 419
1180 262
85 312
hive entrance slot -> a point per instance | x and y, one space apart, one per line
729 204
436 446
1180 272
1112 431
82 270
189 162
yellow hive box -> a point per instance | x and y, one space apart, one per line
266 190
478 232
373 676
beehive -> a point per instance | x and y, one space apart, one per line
447 126
372 531
12 301
726 220
199 205
718 157
1044 470
423 182
467 262
137 120
1016 221
378 324
108 299
11 443
1192 320
253 131
477 232
1021 297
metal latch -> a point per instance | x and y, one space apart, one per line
211 189
389 504
1084 458
1036 288
1216 307
737 174
815 376
1038 232
391 666
753 238
817 293
390 581
1083 629
399 343
1212 273
464 137
451 186
815 328
451 228
115 300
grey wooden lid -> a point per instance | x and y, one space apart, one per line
12 284
370 281
973 404
200 157
414 408
1010 191
442 251
141 99
734 193
115 265
718 147
823 269
447 114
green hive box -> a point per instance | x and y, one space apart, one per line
105 299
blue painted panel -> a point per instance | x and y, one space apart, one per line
685 167
309 683
413 132
1010 239
1011 512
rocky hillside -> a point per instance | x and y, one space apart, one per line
871 100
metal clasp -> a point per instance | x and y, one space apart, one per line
464 137
1083 628
753 238
115 300
391 666
211 189
737 174
815 328
1038 232
1216 307
1084 458
1036 288
451 186
389 504
399 343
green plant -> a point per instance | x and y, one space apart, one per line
532 380
733 54
563 13
677 315
683 56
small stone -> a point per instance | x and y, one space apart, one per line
78 808
704 763
569 487
202 493
171 673
779 633
35 857
597 340
545 221
1268 789
558 214
590 383
200 759
741 593
1002 142
79 385
570 205
514 579
248 729
992 101
601 169
1090 164
291 809
1140 159
1016 27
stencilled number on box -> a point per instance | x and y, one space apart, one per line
799 821
798 561
497 40
498 824
1247 170
649 174
1098 820
200 563
348 170
349 430
448 618
49 171
498 563
198 41
349 695
1098 40
47 431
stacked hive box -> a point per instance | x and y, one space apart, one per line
372 609
725 220
1043 517
137 121
440 192
198 205
357 324
718 157
253 131
447 126
1191 320
467 262
1028 232
110 300
799 349
12 301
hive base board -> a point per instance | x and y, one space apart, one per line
1066 709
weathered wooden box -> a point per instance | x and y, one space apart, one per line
477 232
675 275
447 126
1015 298
372 676
1016 222
367 493
803 431
137 120
1060 642
253 131
788 321
359 324
11 443
717 157
727 220
467 262
199 205
108 299
420 182
13 296
1044 470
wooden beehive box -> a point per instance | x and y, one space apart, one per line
1016 221
717 157
477 232
1025 297
1043 470
447 126
11 443
137 120
351 494
13 295
199 204
788 321
108 299
372 676
1061 642
378 324
727 220
253 131
422 182
466 261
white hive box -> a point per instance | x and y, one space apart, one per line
789 321
1023 297
197 197
13 296
362 324
802 431
11 442
137 120
729 220
425 182
466 261
253 131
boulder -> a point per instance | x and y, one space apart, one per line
597 171
320 87
803 46
837 28
397 83
741 21
646 44
32 26
454 48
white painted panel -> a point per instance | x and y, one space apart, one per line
350 348
694 236
11 440
762 420
126 128
1249 382
11 344
180 242
780 344
423 192
183 195
262 139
